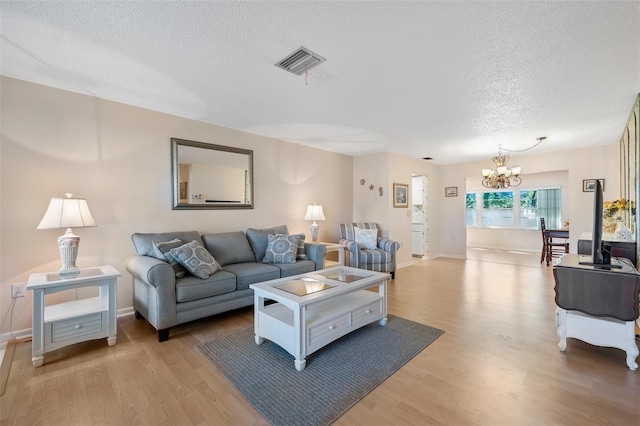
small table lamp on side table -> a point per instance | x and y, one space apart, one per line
67 213
314 212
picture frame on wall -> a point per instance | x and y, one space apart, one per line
451 191
589 185
400 195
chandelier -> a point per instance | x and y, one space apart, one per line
502 176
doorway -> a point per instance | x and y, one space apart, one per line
419 206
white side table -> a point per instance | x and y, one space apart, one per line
335 247
63 324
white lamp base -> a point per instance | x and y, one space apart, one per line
68 245
314 231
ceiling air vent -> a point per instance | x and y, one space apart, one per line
300 61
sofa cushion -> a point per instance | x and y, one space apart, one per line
229 247
281 249
162 250
300 267
258 239
253 272
193 288
144 242
196 259
366 238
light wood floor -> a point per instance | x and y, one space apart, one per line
497 364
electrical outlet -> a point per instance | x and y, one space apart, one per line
18 290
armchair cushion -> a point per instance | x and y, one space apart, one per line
366 238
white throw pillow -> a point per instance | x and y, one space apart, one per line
366 238
196 259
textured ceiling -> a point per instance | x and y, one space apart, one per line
449 80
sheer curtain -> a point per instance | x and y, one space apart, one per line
549 207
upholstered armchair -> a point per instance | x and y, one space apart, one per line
366 249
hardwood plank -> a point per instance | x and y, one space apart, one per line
497 363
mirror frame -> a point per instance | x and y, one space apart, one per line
175 163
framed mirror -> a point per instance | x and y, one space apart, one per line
209 176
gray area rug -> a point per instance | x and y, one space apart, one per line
335 378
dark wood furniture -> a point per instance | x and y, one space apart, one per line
626 249
598 305
551 248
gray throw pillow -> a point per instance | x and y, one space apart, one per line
281 249
162 249
196 259
258 239
301 254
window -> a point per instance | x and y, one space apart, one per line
497 209
471 209
518 208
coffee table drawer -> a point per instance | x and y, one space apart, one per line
321 334
367 314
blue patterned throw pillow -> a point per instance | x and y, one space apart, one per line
196 259
281 249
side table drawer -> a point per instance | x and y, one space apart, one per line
75 327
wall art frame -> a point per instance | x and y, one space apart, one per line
589 185
400 195
451 191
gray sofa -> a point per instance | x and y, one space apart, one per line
167 300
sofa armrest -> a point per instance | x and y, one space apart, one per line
316 252
388 245
154 290
151 271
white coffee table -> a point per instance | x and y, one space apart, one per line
316 308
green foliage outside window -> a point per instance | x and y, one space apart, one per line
471 200
497 200
529 199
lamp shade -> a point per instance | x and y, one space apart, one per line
314 213
67 213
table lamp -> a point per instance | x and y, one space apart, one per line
314 213
67 213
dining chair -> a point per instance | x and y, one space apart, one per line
550 248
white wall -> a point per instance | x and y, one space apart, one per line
383 170
118 157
